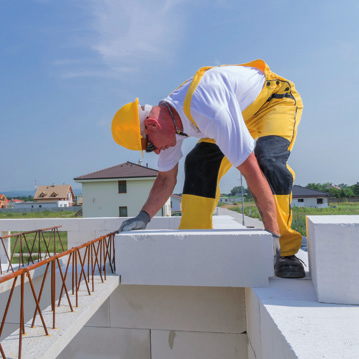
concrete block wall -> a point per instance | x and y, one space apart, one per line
164 322
181 295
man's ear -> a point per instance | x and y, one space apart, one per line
151 122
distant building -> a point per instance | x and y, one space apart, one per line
118 191
41 205
231 199
3 201
55 193
306 197
12 202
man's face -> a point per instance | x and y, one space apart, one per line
160 136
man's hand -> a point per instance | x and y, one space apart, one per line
139 222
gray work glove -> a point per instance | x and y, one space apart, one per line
139 222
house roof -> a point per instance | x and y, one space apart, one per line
123 170
54 192
303 192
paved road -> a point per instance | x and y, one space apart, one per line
248 221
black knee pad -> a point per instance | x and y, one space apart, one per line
272 154
201 170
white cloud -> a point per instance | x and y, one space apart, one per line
122 35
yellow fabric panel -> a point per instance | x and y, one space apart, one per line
277 117
197 212
290 240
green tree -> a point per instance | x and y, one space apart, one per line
237 190
346 192
334 191
318 186
355 189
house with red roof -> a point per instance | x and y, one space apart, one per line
118 191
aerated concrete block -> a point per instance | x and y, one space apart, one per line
179 308
110 343
176 344
333 248
212 258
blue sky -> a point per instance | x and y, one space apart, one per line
68 66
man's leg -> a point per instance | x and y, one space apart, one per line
272 153
205 165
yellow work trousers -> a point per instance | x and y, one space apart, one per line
272 120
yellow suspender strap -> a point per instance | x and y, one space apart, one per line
259 64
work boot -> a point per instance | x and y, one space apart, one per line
289 267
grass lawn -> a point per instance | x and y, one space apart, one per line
44 214
299 213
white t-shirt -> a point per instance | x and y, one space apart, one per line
216 107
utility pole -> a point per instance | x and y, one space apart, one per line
241 184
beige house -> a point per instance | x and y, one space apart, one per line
118 191
306 197
54 193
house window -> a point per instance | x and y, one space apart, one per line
319 200
122 187
123 211
300 200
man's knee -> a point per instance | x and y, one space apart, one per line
272 155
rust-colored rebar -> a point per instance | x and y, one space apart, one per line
98 253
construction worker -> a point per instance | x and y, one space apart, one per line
245 116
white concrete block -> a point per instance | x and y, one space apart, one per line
102 317
251 353
179 308
333 247
274 343
99 234
22 225
164 223
301 329
242 258
112 223
295 325
5 248
253 319
76 238
69 224
194 345
109 343
92 224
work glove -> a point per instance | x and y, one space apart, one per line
139 222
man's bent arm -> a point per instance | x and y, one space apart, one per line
261 192
161 190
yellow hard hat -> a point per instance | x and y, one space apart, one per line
128 126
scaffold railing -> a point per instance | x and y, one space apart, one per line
83 262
